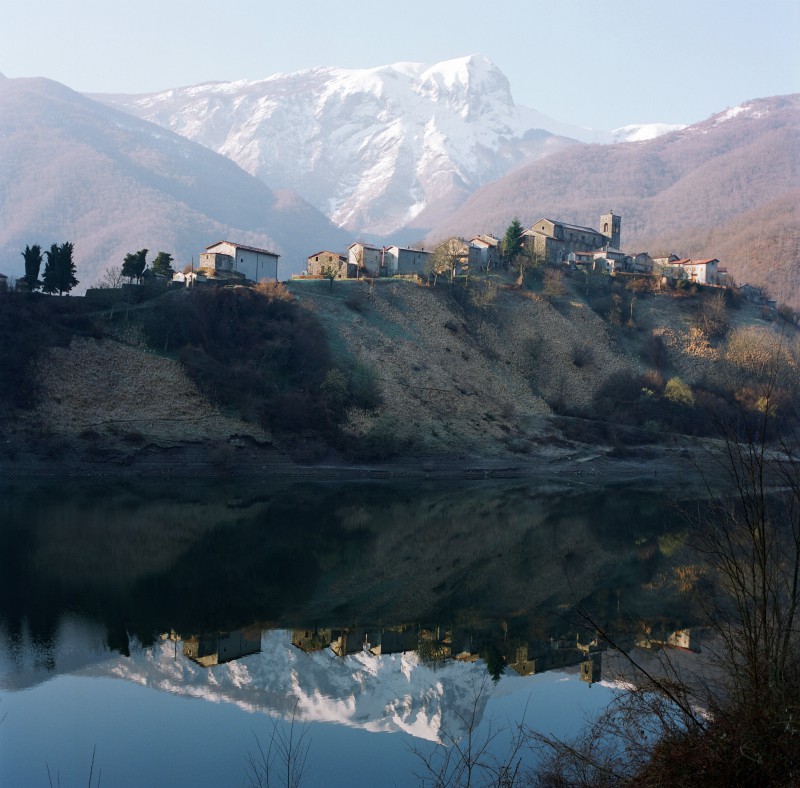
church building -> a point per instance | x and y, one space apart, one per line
552 241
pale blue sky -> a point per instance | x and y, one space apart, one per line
588 62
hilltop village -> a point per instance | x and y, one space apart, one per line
546 242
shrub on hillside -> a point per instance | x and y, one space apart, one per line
582 355
256 350
678 392
711 315
250 349
789 315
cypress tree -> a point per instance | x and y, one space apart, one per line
59 269
33 263
49 279
66 268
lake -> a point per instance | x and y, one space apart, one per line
173 629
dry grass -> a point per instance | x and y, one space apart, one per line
117 389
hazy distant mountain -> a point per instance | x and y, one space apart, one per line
727 187
374 149
73 169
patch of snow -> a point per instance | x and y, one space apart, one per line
641 132
745 110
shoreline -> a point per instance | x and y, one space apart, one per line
651 467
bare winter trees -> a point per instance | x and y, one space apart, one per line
736 719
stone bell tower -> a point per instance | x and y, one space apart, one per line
611 228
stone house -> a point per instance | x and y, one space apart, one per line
208 277
403 261
642 263
552 240
365 258
484 252
581 260
320 262
755 295
609 261
216 648
352 641
310 640
675 270
395 640
660 263
253 263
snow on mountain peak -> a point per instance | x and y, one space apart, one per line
372 148
470 85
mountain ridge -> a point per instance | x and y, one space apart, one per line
74 169
689 191
371 148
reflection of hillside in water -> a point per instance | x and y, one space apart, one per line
204 558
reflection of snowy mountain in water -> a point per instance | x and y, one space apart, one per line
387 693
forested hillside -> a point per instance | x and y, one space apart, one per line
72 169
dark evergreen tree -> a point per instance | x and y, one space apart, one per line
59 269
134 264
512 241
162 265
66 268
49 279
33 263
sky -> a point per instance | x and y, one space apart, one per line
591 63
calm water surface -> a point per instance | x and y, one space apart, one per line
166 627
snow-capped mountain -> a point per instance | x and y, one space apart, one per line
371 148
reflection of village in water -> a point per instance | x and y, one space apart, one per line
435 646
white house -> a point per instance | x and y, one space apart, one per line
704 272
404 261
365 257
255 264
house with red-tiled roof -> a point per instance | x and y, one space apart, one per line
704 272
